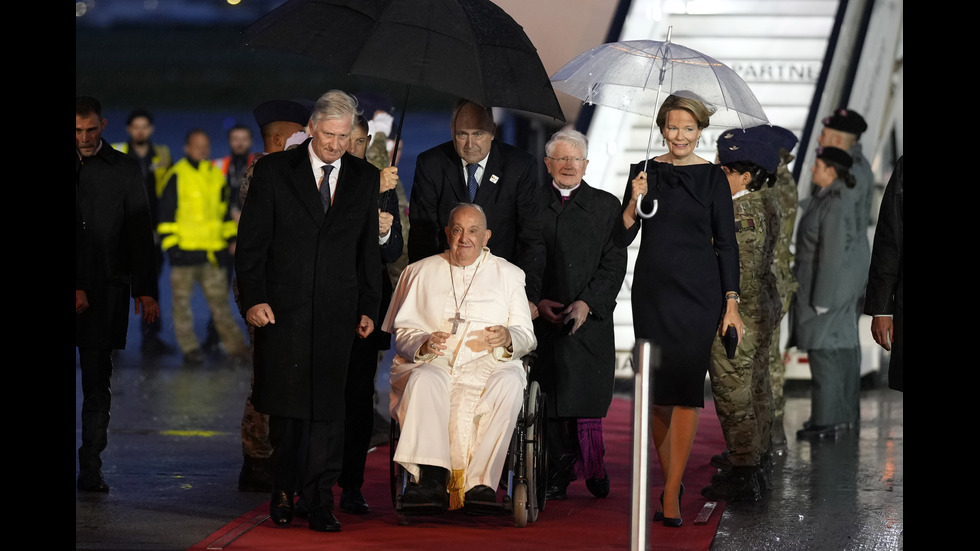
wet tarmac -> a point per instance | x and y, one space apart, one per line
175 452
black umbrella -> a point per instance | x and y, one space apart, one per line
467 48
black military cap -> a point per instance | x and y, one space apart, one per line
297 111
836 155
779 137
737 145
846 120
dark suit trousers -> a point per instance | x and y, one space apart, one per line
306 455
835 386
359 403
96 365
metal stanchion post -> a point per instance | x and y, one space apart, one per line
642 368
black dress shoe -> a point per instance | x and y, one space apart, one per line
322 520
301 508
281 508
599 487
431 488
817 432
481 493
556 492
481 500
92 481
422 494
352 502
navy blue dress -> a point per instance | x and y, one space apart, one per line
688 259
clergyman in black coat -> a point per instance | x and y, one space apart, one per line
576 354
309 279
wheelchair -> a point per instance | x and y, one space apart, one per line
524 478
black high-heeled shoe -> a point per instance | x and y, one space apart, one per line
659 515
281 508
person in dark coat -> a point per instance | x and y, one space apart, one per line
308 279
686 280
115 258
576 354
829 260
886 279
505 183
359 421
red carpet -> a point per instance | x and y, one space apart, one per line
580 522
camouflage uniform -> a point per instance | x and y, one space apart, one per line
785 196
255 426
741 386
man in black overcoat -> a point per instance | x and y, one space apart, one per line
309 278
885 298
115 258
505 184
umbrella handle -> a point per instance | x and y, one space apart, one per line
639 211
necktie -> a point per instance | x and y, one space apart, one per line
471 183
325 187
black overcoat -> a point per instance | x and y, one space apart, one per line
319 273
582 262
886 277
118 257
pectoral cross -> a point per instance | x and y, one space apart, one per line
456 321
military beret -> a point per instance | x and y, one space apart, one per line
836 155
737 145
846 120
297 111
779 137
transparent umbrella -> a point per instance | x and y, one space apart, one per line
634 75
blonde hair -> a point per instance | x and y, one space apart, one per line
701 112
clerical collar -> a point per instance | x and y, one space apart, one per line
565 192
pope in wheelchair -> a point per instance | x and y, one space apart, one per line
462 323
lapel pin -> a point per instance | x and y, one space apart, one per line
493 179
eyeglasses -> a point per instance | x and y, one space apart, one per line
575 160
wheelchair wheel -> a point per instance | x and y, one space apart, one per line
535 451
521 508
394 469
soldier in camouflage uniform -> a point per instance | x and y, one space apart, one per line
786 198
741 386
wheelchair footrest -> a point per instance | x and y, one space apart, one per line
485 508
431 508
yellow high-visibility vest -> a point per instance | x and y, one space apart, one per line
202 203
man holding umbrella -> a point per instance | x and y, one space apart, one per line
500 178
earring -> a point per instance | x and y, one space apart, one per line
663 142
697 144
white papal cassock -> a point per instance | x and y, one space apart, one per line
458 411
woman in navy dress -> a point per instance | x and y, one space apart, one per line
685 282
